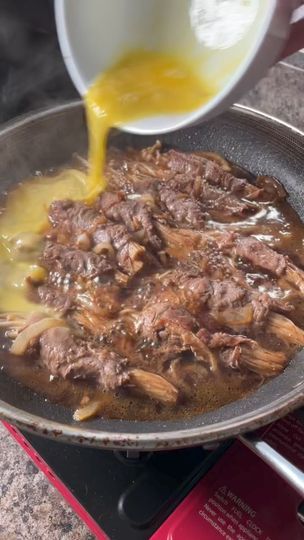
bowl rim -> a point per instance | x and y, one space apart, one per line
244 77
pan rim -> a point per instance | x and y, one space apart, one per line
153 440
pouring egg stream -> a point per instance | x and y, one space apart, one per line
142 84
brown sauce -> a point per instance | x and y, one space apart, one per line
275 224
214 393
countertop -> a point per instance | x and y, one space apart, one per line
30 508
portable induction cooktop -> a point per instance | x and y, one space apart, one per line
191 494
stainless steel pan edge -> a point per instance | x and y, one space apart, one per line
51 135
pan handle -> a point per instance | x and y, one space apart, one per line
289 472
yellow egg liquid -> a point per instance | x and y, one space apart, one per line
142 84
26 213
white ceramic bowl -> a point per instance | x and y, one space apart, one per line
95 33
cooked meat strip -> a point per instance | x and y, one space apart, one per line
70 217
64 260
260 255
236 351
131 172
225 294
183 209
222 205
129 254
196 292
194 164
73 358
159 315
229 304
216 202
250 249
162 320
55 297
220 339
135 214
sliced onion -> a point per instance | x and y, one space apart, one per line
31 332
164 275
121 277
133 196
87 411
83 241
104 248
148 199
155 386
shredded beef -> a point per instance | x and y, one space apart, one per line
55 298
74 217
231 357
197 165
154 271
135 214
182 209
199 287
223 205
161 315
263 303
209 199
192 289
72 358
129 254
226 294
260 255
220 339
63 260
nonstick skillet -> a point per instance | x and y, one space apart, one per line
250 139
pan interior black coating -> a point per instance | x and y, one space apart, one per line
249 139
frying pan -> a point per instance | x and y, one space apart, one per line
250 139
